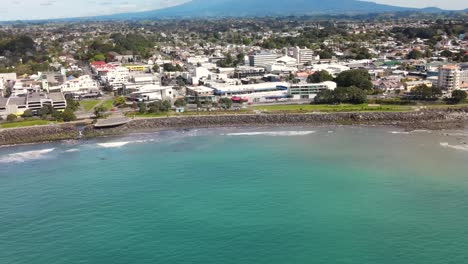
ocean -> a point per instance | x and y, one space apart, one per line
332 195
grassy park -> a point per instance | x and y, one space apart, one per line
26 123
88 105
332 108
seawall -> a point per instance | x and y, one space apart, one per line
443 119
406 120
37 134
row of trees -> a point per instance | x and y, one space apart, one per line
154 108
359 78
353 87
423 92
342 95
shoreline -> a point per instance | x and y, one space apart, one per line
448 119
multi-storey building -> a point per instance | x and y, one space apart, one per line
304 56
262 59
81 85
309 90
449 77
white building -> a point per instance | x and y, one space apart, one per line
262 59
138 81
261 92
449 77
280 68
118 76
151 93
287 61
333 69
5 80
304 56
81 85
309 90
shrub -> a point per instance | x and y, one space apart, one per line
68 115
28 113
11 117
458 96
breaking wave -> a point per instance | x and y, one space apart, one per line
457 147
72 150
113 144
400 133
25 156
273 134
122 143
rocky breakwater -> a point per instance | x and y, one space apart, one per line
440 119
443 119
27 135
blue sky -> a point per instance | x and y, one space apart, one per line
40 9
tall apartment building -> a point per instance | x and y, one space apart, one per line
118 77
262 59
464 76
303 56
449 77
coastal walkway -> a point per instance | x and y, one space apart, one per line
111 122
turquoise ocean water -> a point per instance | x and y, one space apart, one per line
311 195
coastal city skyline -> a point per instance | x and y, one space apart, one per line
233 132
32 9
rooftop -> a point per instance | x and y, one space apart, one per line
3 102
56 97
450 67
17 101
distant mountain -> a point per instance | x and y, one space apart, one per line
243 8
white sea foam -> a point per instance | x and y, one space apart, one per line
122 143
273 133
400 133
113 144
422 131
25 156
457 147
72 150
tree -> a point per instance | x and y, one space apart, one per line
198 103
352 95
99 111
180 102
45 111
159 106
359 78
458 96
446 53
168 67
166 106
68 115
73 105
325 54
356 95
119 101
225 103
108 88
415 55
142 109
320 76
156 68
325 97
27 114
99 57
11 117
423 92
